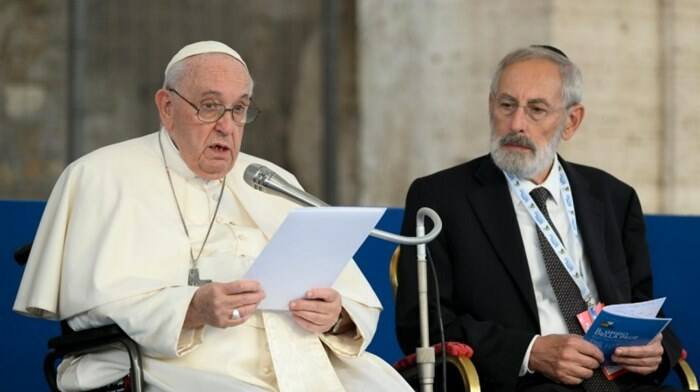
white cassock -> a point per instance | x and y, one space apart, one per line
111 249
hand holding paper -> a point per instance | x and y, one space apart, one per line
213 304
310 250
318 310
640 359
567 359
632 332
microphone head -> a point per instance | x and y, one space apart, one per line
263 179
256 175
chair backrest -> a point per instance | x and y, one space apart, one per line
394 270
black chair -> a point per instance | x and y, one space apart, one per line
72 343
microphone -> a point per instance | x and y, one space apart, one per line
261 178
264 179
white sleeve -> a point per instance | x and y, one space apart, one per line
362 306
524 369
154 320
354 340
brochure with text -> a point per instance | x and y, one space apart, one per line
618 325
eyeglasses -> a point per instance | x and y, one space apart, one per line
536 111
212 111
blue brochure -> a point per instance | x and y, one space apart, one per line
626 325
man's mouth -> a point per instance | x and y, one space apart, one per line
220 148
517 141
518 146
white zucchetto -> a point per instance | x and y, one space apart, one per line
203 47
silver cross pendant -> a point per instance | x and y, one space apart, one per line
193 278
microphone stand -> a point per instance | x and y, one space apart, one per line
425 355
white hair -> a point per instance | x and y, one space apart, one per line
571 79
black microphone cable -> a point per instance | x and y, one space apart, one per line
441 327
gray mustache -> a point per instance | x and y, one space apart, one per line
519 140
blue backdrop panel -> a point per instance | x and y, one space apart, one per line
24 339
672 242
373 258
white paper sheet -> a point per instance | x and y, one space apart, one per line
309 250
646 309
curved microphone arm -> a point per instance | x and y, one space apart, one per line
263 179
418 239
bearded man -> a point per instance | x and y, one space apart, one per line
529 241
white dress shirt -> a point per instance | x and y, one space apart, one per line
551 318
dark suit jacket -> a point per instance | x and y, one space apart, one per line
486 292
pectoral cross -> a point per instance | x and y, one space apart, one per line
193 278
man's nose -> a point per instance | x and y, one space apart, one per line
519 120
226 125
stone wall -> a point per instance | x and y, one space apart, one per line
413 82
620 61
425 69
127 44
32 96
680 76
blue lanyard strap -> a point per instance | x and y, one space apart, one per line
550 234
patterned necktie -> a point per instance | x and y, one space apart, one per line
568 295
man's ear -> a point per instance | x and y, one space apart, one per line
164 104
573 120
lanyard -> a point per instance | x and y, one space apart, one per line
554 241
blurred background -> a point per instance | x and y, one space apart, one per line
359 97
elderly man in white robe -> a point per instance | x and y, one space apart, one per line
155 233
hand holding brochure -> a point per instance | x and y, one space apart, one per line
625 325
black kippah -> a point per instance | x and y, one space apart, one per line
551 49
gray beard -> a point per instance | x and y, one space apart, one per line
523 164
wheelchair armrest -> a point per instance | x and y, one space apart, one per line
91 340
458 354
685 373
